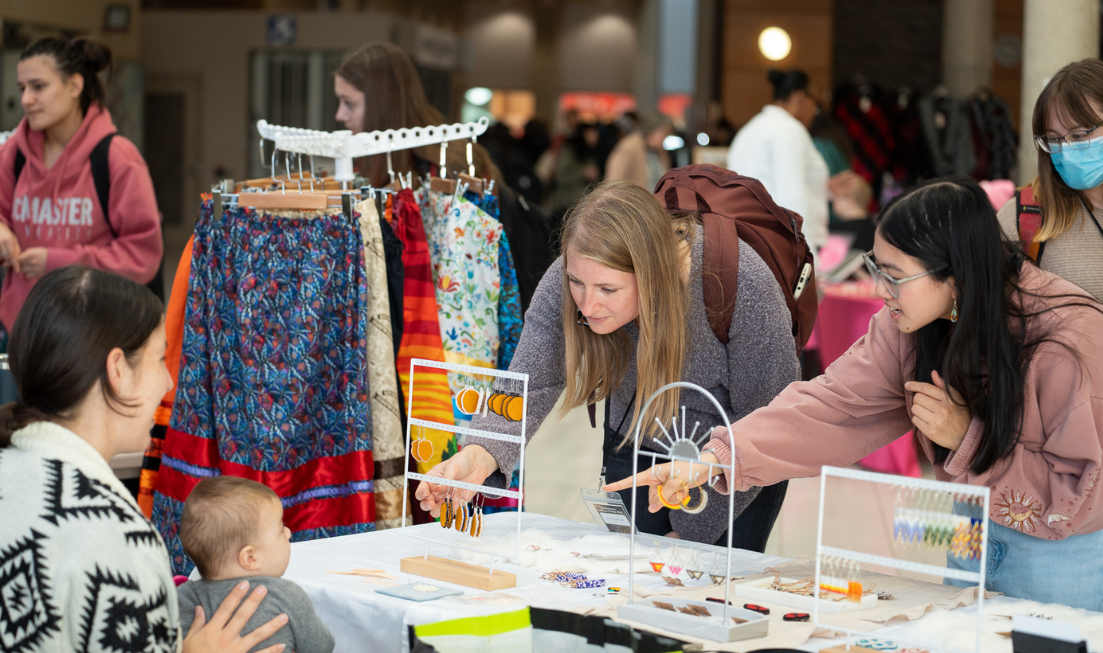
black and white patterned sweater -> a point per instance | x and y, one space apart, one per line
81 569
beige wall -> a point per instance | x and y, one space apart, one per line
502 40
743 81
211 49
597 49
85 16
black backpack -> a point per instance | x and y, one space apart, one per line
101 177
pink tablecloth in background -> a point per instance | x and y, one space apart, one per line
844 315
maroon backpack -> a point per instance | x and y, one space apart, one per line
732 207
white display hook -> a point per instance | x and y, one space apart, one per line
343 146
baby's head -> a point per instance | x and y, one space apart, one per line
233 527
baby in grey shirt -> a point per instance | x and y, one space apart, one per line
232 528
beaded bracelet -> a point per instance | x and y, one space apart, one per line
586 584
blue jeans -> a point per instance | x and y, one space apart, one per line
1068 571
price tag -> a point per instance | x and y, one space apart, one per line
608 510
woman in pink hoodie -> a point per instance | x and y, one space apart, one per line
996 366
50 213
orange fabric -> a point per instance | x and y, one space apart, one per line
174 336
174 329
421 327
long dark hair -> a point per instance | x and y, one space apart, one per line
82 56
72 319
949 225
394 98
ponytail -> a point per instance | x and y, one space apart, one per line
83 56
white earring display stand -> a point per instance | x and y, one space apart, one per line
452 571
734 623
952 489
344 146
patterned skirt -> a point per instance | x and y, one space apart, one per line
273 379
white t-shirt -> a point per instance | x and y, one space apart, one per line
776 149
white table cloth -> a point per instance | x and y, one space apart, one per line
363 620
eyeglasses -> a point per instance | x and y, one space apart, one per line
1076 139
892 284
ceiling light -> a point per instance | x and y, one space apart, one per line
774 43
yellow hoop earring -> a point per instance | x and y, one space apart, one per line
700 505
662 499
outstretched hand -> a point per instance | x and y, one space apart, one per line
675 479
472 464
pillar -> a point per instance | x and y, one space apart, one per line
966 45
1055 33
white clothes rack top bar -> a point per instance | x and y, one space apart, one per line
344 146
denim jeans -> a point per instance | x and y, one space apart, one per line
1068 571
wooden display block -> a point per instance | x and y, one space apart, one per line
458 573
841 648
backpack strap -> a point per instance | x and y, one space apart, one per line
720 266
1029 213
101 177
20 161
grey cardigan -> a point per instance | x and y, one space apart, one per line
758 362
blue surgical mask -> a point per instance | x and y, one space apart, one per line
1081 169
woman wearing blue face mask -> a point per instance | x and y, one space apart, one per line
1059 217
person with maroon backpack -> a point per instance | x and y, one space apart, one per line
1059 217
72 191
708 281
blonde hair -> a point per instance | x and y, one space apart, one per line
621 226
1070 92
221 515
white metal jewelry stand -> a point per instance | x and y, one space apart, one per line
684 449
980 492
456 572
344 146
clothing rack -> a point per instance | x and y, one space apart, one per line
344 146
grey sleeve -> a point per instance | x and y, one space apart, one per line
762 361
310 634
540 354
187 599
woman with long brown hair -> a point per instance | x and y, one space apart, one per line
378 88
1060 214
620 314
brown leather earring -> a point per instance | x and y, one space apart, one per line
582 319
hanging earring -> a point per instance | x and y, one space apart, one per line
953 312
421 449
582 319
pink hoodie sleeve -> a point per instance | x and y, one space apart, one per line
136 252
854 408
7 180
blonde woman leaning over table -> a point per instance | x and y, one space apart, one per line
617 316
989 359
